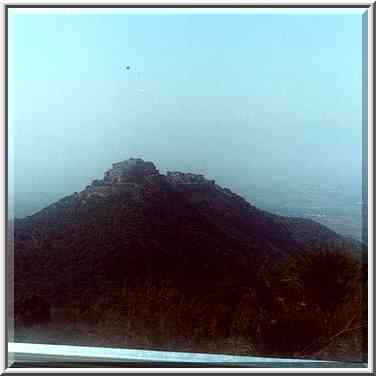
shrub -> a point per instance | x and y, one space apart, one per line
326 278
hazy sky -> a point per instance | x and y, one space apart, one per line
242 98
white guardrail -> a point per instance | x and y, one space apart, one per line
43 353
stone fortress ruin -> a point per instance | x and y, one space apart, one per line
132 174
176 177
132 170
136 171
123 176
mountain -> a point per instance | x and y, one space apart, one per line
176 262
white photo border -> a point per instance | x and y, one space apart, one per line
337 6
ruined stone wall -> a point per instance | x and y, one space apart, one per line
176 177
131 170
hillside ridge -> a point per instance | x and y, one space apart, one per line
138 241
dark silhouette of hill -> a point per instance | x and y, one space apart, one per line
176 262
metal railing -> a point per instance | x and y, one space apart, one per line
44 355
